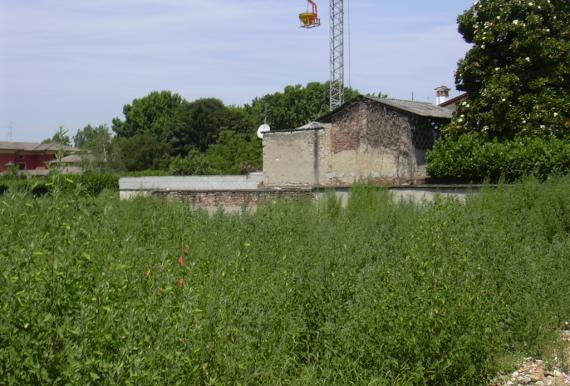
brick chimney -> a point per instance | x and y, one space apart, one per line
441 95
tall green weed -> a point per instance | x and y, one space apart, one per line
95 290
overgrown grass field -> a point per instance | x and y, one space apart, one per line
95 290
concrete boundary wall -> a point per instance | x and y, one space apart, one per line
129 186
213 193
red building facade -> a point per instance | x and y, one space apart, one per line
29 156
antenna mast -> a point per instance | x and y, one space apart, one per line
310 19
337 54
11 131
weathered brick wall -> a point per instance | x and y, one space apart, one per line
368 141
237 201
231 201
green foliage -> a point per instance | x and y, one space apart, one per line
88 184
94 138
473 157
195 125
96 141
148 115
163 127
140 152
295 106
233 154
96 183
148 292
517 73
60 137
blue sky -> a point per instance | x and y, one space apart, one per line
74 62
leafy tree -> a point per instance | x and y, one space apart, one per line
472 157
295 106
61 137
239 120
140 152
96 141
148 115
195 125
91 137
518 72
234 153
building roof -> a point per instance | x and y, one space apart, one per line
73 159
453 101
424 109
32 146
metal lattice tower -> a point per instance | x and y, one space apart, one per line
337 53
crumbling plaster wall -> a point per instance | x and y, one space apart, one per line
368 140
364 141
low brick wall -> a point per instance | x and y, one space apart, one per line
238 193
231 201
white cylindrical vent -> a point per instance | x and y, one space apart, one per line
441 95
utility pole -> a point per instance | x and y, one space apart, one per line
337 54
10 131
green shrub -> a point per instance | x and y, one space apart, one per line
193 164
473 157
95 183
89 183
234 153
296 293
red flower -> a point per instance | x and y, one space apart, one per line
182 261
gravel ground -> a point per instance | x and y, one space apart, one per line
535 371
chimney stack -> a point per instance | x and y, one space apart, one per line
442 95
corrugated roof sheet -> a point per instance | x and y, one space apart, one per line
32 146
423 109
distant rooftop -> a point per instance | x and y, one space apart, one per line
32 146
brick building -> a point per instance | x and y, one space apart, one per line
385 140
29 156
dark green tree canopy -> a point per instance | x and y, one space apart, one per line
139 152
195 125
518 72
148 115
295 106
201 134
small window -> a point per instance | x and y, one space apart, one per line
20 156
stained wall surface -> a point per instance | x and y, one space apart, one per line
364 141
292 158
367 141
